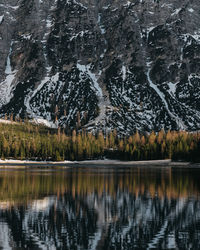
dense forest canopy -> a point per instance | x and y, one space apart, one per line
25 140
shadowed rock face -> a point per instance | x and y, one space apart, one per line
117 64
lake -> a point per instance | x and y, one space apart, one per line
84 207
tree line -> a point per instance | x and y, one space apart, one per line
24 140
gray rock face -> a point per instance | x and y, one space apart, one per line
107 64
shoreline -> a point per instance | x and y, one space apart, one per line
25 164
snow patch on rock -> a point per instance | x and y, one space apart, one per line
6 87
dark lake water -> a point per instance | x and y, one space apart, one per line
100 208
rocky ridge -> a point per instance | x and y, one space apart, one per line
122 65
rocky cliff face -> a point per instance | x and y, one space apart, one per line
108 64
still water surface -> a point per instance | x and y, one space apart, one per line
100 208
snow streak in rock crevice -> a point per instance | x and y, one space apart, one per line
103 102
6 86
1 19
47 78
179 122
31 94
86 69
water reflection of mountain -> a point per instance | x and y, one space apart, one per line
127 209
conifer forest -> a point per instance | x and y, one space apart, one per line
26 140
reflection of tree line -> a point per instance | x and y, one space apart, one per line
22 186
131 209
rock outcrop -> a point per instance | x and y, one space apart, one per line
122 65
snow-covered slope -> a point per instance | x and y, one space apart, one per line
108 64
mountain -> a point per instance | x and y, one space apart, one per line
122 65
